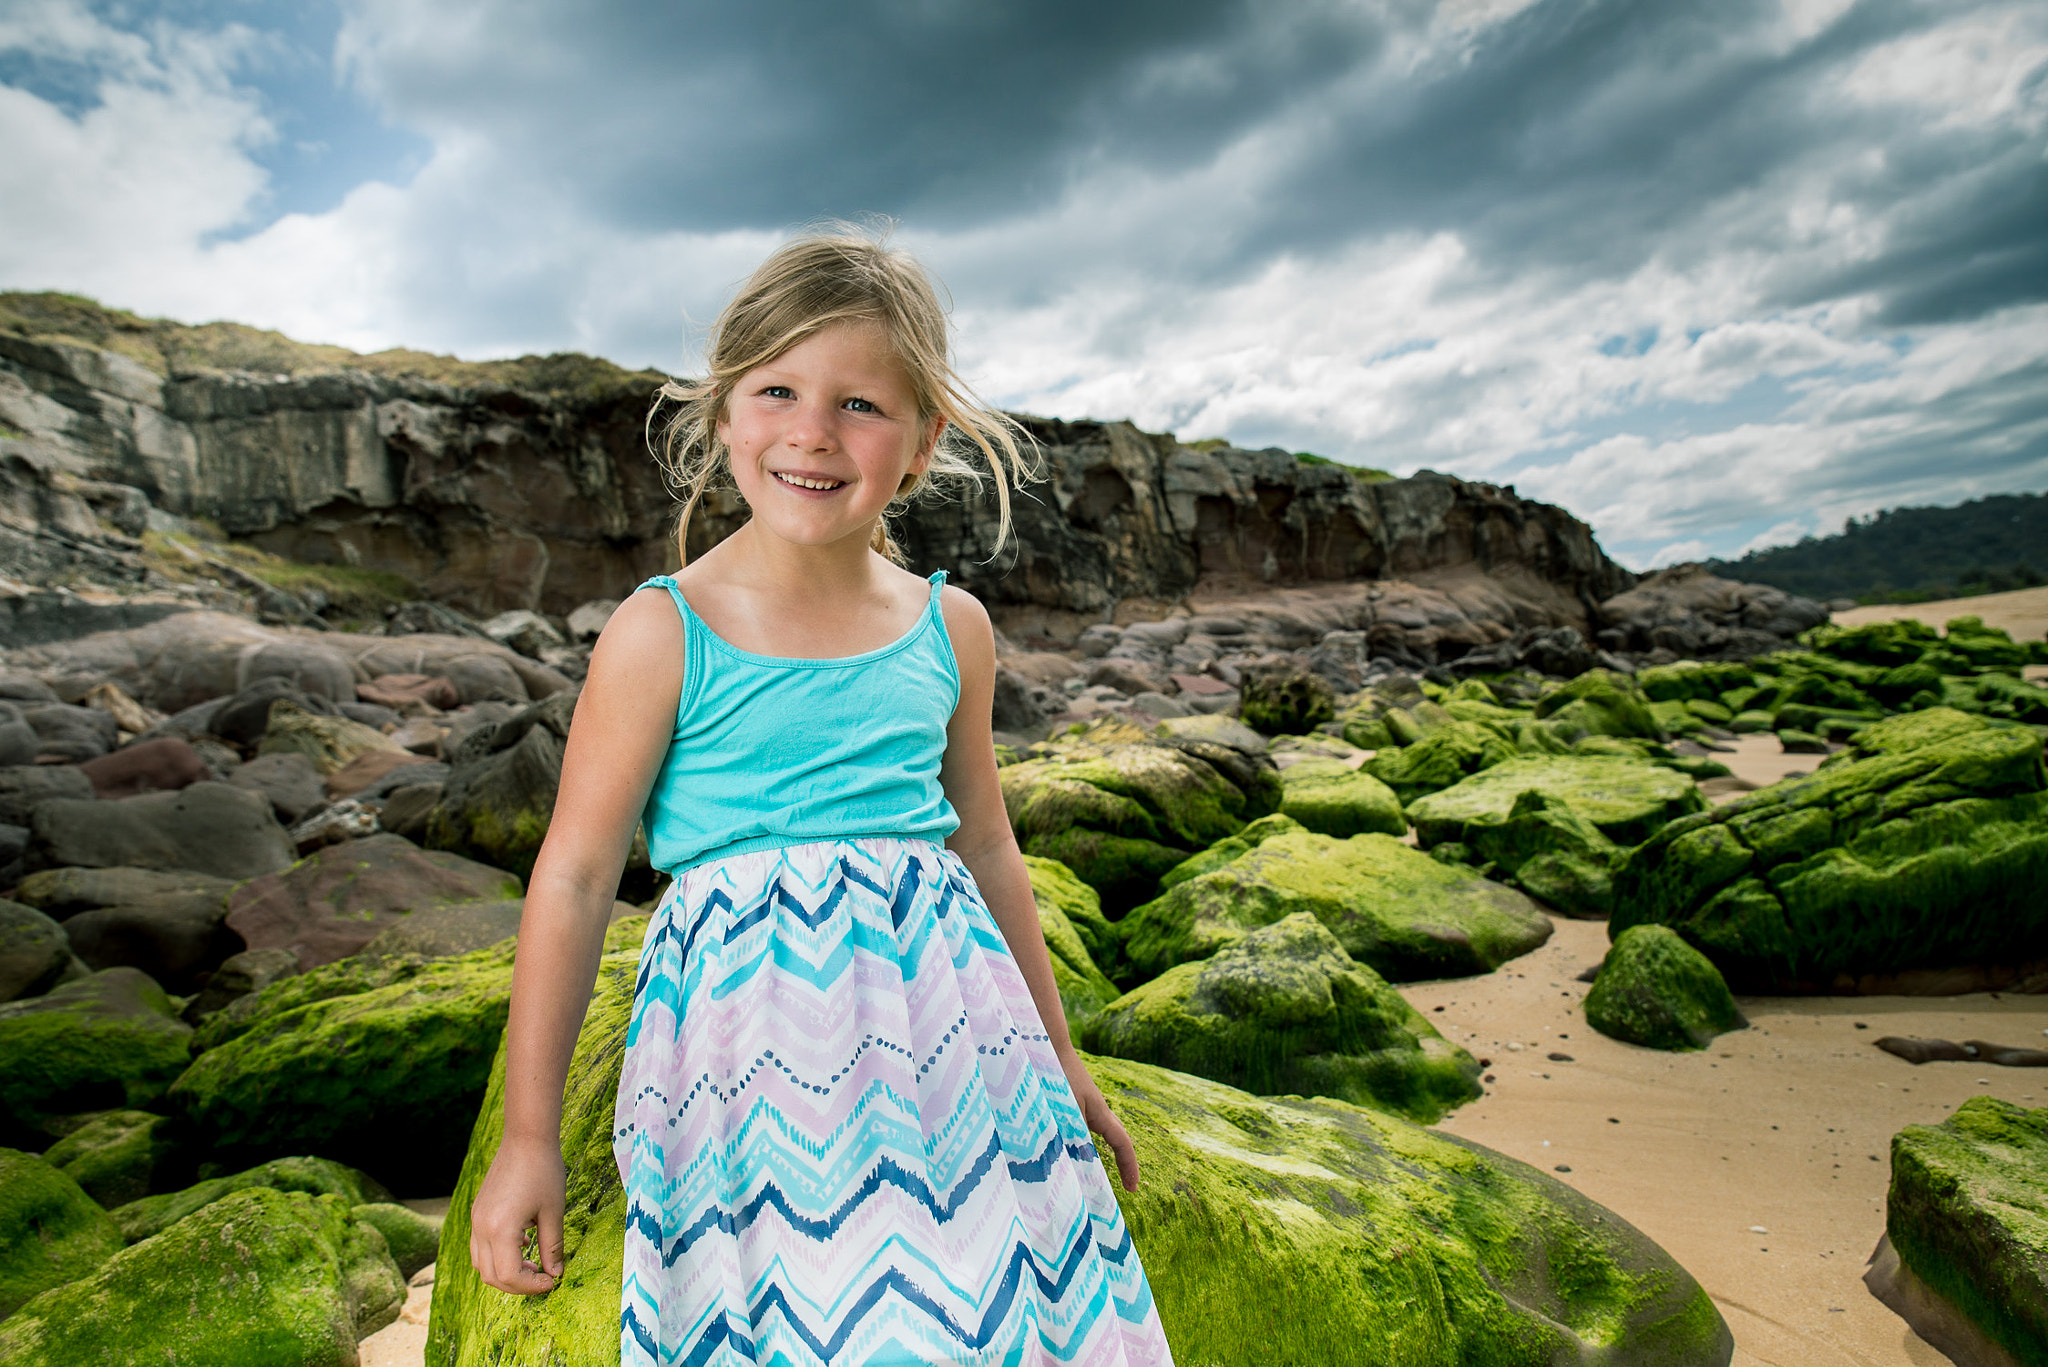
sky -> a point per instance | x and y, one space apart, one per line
1712 274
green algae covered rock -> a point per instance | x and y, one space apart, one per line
1689 680
414 1240
1656 990
1928 850
1285 1231
1391 907
1230 847
262 1279
1065 904
1285 1009
1968 1215
1629 800
107 1041
1599 702
1443 757
473 1325
50 1231
121 1156
386 1079
1286 702
1549 850
1121 815
152 1215
1329 797
1315 1232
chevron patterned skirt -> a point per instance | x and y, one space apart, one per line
845 1137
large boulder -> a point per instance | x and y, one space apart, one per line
414 1239
277 1278
1549 850
1286 702
449 929
335 901
178 938
101 1043
1656 990
1628 800
50 1231
1121 815
1924 846
1599 702
1397 910
153 1215
206 828
24 787
289 781
1292 1231
239 975
500 793
163 765
1690 611
1254 834
1331 797
386 1078
1066 906
121 1156
1967 1219
1285 1009
64 893
1445 756
33 952
328 743
67 735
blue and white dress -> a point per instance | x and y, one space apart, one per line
844 1134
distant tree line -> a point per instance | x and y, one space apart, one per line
1912 555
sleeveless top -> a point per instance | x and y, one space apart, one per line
769 752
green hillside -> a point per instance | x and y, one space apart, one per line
1913 555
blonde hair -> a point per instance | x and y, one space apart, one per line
837 275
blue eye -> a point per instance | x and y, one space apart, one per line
778 391
862 406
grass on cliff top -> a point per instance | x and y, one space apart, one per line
169 348
1364 474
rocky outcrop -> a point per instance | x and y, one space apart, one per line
1687 611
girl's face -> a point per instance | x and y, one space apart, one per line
824 435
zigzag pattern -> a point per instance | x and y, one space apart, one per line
846 1139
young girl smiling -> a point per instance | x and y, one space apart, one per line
850 1123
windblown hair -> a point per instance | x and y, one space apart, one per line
839 275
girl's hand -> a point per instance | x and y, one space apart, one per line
518 1212
1095 1110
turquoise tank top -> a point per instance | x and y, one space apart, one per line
769 752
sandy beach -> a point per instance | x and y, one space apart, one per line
2023 612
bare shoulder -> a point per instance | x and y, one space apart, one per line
646 623
638 655
967 624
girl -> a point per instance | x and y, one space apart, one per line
850 1123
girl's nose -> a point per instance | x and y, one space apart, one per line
810 428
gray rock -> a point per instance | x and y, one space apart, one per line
207 828
23 786
244 717
25 688
1699 615
1157 704
441 932
18 740
252 970
405 776
63 893
1020 702
33 952
587 622
407 810
370 714
70 734
291 783
523 630
176 938
429 618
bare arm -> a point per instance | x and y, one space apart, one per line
623 721
986 845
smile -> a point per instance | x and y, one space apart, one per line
800 482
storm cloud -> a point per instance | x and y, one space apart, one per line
1709 274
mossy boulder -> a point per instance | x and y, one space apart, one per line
386 1079
1121 815
1968 1215
414 1239
1285 1009
1884 644
152 1215
1331 797
1656 990
1983 646
1391 907
500 792
51 1232
122 1156
1445 756
1628 800
1688 680
262 1279
1254 834
1065 905
1929 849
328 743
1547 848
1599 702
1285 702
1290 1231
105 1042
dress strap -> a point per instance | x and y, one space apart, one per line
664 581
938 581
694 632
